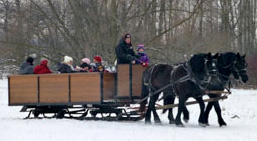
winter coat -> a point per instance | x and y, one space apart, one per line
142 59
66 69
124 52
42 68
26 68
97 67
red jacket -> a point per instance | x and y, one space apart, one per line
42 68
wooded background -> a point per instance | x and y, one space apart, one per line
171 30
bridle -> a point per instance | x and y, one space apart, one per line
240 70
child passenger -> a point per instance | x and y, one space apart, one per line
98 64
85 65
144 60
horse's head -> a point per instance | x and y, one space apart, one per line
211 64
239 68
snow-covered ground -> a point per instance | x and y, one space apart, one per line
242 105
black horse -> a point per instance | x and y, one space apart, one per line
186 79
228 63
155 78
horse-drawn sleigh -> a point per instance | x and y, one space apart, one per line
111 96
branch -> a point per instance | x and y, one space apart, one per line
178 23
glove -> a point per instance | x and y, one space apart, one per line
144 64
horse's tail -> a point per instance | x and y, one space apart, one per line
144 93
144 89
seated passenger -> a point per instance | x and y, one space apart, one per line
98 64
27 67
67 65
85 65
143 59
42 68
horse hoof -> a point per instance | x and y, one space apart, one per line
180 125
186 120
172 122
158 122
147 122
202 124
221 125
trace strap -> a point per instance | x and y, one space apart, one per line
182 79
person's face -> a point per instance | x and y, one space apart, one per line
71 62
141 50
127 40
95 61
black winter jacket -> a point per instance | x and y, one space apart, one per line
83 66
124 52
65 69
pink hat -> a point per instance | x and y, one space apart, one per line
140 46
86 60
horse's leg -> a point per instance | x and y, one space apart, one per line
181 106
156 117
218 111
151 107
207 112
148 116
170 115
167 101
186 114
201 119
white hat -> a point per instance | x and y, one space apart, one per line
67 59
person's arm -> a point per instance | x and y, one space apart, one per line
120 54
30 70
147 59
69 70
48 70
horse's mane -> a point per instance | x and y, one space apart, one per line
226 59
162 67
197 63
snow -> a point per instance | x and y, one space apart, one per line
239 112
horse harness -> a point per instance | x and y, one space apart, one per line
190 76
224 80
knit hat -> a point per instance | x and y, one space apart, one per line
30 60
67 59
98 58
126 36
140 46
86 60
